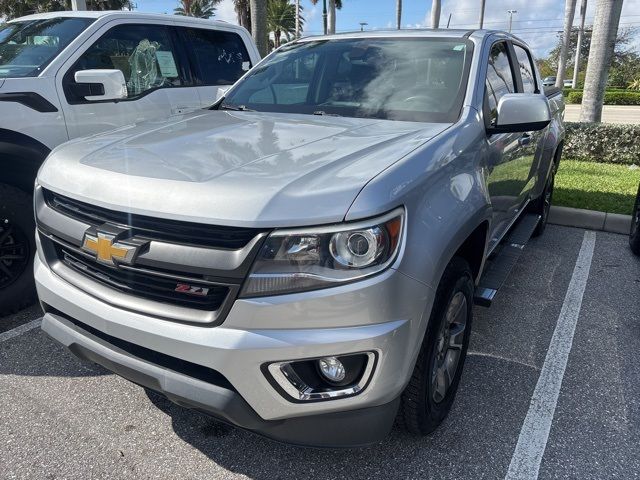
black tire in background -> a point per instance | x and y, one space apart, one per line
634 236
425 404
17 249
542 205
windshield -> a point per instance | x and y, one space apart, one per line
415 79
27 47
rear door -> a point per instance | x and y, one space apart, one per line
510 154
159 81
219 58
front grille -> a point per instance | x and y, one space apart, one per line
184 233
139 283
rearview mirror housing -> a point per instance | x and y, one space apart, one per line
522 112
101 84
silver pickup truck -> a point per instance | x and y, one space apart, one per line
301 260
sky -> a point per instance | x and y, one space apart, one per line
537 21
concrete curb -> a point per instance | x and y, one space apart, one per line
592 220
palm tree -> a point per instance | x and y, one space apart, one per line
243 13
281 20
435 13
196 8
258 9
398 14
603 41
332 5
569 12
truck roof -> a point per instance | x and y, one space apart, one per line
417 32
112 14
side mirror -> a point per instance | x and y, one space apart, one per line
522 112
101 84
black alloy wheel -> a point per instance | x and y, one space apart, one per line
431 390
17 250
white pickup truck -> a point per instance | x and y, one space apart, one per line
71 74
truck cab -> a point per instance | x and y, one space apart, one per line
66 75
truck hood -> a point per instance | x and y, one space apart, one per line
233 168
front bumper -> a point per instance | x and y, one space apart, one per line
382 314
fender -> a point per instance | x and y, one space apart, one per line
20 158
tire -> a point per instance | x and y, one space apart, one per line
425 403
17 250
542 205
634 235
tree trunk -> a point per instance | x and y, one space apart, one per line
435 14
276 38
398 14
603 42
331 16
576 65
259 25
569 12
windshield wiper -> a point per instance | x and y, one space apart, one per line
323 113
237 108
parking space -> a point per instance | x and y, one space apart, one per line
65 419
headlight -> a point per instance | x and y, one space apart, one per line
308 259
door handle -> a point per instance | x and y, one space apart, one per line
525 139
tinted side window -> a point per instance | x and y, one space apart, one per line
499 77
221 58
145 54
526 70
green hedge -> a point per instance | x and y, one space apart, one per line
610 97
602 142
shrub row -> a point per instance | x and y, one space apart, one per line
610 97
566 91
602 142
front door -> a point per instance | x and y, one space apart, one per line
511 155
158 82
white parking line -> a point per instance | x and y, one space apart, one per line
526 459
20 330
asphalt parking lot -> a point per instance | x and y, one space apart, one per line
61 418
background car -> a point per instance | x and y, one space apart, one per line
634 237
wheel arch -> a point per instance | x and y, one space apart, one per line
20 159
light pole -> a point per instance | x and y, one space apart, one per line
511 12
482 2
324 16
362 25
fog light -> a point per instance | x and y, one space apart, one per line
332 369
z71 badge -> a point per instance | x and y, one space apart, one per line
192 289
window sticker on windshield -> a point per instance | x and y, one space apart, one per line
167 64
246 66
459 48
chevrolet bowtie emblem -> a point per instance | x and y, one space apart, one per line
107 249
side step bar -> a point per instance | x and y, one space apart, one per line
504 260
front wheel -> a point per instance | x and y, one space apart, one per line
429 395
634 237
17 249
